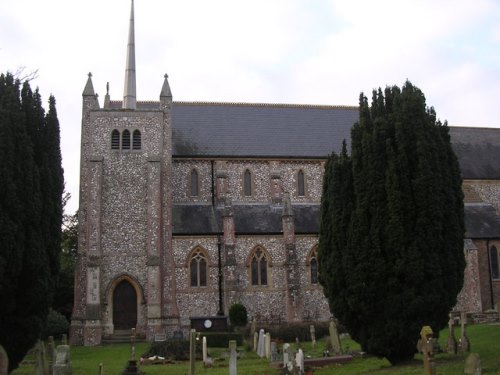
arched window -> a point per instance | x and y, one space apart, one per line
136 140
198 268
495 271
115 140
301 186
313 264
247 183
258 267
126 140
194 183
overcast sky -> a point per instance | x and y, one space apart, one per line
272 51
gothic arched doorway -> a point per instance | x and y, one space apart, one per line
124 306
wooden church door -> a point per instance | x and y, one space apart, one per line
124 306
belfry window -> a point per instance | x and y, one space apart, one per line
258 267
194 183
247 183
126 140
136 140
301 186
115 140
494 263
198 269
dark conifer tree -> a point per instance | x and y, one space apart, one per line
28 201
391 241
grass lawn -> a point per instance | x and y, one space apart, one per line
485 340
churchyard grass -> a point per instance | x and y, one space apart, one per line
484 340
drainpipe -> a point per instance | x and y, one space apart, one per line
219 245
488 253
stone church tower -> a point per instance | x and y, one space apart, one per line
125 239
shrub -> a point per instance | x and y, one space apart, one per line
55 326
238 315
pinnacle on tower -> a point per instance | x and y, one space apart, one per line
129 94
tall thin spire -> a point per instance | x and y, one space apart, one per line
129 96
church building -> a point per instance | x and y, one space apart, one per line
189 207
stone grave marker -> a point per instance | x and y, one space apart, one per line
334 337
286 355
267 345
255 341
101 369
204 350
260 344
473 365
62 364
464 343
299 361
4 361
425 345
41 362
275 355
451 346
232 358
312 330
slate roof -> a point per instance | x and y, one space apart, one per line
481 221
298 131
259 130
199 219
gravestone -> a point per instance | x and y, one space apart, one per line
260 344
253 328
41 362
132 367
101 369
62 364
426 345
473 365
267 345
451 346
232 358
286 355
4 361
204 350
312 330
51 352
255 341
334 337
464 343
299 361
275 355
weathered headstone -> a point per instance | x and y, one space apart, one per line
204 350
426 346
275 356
51 352
473 365
232 358
464 343
312 330
299 360
4 361
62 364
253 327
334 337
267 345
101 369
451 346
286 354
260 344
255 341
41 361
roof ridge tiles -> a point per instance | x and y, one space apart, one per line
278 105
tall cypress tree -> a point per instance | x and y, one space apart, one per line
395 263
28 215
